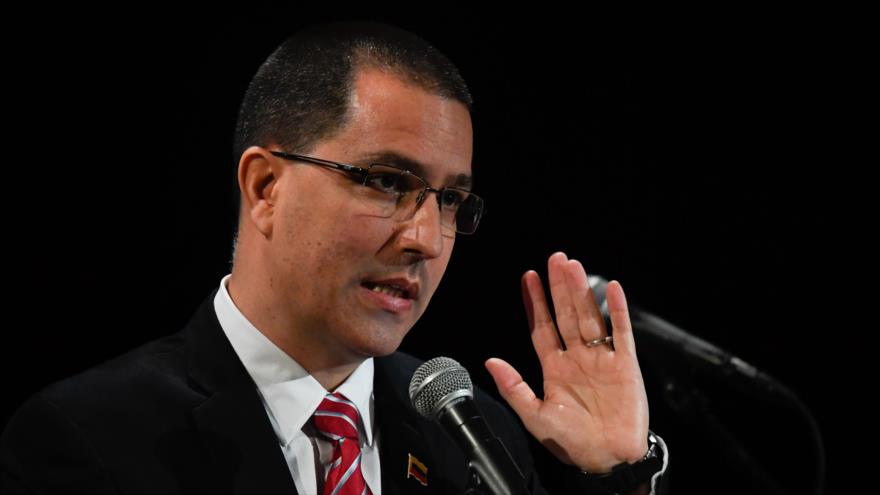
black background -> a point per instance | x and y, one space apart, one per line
702 164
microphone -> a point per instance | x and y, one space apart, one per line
666 335
441 390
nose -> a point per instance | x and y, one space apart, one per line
422 233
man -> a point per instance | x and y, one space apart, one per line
354 147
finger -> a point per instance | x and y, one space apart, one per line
590 321
566 314
624 343
541 327
513 389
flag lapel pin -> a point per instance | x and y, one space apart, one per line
417 469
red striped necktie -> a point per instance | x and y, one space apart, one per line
337 419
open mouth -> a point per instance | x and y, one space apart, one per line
387 289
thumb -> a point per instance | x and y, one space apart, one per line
513 389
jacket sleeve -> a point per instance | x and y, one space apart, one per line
657 485
43 451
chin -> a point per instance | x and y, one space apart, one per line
382 344
384 348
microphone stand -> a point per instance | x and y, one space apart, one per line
693 407
736 373
663 336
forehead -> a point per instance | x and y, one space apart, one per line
394 122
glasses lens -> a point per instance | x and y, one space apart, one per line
390 190
394 192
466 216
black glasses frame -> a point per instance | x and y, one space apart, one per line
364 173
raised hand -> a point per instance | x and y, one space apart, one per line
594 413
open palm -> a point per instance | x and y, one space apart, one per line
594 413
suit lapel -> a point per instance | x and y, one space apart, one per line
241 445
402 436
232 422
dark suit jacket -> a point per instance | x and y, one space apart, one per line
182 415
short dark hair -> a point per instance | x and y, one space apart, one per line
300 94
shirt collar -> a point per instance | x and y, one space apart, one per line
291 394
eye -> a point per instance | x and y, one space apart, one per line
387 182
451 197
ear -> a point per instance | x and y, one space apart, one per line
258 174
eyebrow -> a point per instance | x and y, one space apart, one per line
397 159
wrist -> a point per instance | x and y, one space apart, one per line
627 476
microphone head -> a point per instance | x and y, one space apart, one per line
438 382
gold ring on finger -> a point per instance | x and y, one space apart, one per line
603 340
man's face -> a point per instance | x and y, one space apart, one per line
324 244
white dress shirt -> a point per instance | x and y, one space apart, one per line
291 395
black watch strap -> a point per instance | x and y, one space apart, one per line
625 477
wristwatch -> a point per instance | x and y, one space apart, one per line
625 477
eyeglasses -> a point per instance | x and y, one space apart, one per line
396 192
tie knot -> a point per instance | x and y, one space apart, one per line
337 418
